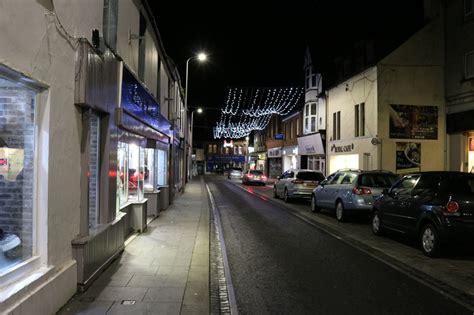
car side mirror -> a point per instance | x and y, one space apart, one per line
324 182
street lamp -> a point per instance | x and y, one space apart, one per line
191 136
201 57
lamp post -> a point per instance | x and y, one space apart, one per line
200 57
190 166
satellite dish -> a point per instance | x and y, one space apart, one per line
375 141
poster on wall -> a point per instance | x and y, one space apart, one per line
413 122
408 159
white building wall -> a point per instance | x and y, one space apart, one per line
151 64
128 23
362 88
40 51
164 95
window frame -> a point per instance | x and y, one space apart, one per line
468 76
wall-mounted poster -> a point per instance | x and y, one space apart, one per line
413 122
408 159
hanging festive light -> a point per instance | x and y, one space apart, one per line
249 109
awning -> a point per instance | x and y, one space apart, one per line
311 145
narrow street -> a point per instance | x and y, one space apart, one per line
281 264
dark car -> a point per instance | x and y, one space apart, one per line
435 207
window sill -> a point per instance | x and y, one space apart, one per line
23 277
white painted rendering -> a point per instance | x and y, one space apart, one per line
164 96
128 23
151 64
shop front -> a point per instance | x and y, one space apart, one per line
312 153
124 159
356 154
275 167
290 158
461 141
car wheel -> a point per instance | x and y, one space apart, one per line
275 194
287 197
429 239
314 206
377 223
340 213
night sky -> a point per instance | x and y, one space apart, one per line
263 44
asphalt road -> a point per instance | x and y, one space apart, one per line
282 265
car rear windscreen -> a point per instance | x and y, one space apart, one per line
462 184
377 180
256 172
313 176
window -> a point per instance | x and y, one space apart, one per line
17 169
214 148
240 150
310 78
359 120
405 186
469 65
209 148
151 169
310 118
336 126
162 168
468 7
316 163
93 174
130 164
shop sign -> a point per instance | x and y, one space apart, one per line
274 153
408 157
471 144
3 161
311 144
342 148
413 122
279 136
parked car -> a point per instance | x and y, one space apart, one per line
351 191
235 172
296 183
435 207
254 177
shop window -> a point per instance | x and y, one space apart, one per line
122 176
17 169
162 168
150 173
93 173
469 65
135 172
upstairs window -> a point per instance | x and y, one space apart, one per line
469 65
468 8
310 118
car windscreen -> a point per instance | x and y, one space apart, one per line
377 180
313 176
258 173
237 169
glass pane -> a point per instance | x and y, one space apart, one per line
122 176
149 175
17 152
162 167
134 176
314 176
94 123
313 124
313 109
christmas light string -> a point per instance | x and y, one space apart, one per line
249 109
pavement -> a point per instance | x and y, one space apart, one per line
164 270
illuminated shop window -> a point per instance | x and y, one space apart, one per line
151 169
17 168
162 167
135 172
122 174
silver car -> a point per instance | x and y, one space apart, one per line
296 183
235 172
351 191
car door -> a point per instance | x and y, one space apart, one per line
330 190
280 184
395 207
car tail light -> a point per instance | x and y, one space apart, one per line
264 177
249 175
361 191
297 181
452 206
